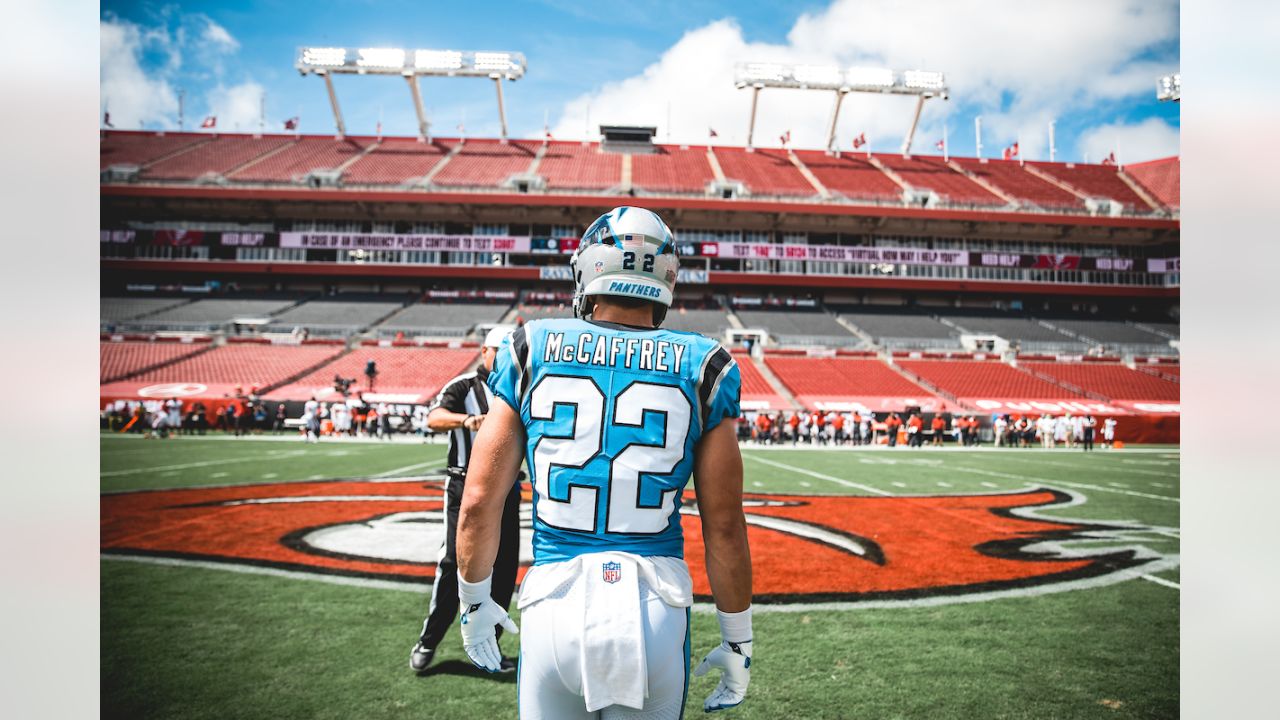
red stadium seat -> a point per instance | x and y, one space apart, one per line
412 371
246 365
574 166
932 173
975 378
672 169
1013 179
486 163
1095 180
1114 381
765 172
851 176
121 359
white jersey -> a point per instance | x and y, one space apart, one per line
310 409
1109 428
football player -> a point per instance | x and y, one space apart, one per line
614 416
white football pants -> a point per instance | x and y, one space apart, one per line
550 681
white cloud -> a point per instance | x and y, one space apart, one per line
237 107
128 93
142 65
1148 140
1017 63
217 35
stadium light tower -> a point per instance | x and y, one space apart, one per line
410 64
1169 88
842 81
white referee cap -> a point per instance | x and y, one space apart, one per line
496 335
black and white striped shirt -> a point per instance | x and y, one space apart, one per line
467 394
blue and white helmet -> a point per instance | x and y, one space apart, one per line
628 252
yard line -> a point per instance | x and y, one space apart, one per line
989 484
1039 460
1047 481
757 483
805 483
205 463
1118 485
268 476
944 484
820 476
416 466
1162 581
898 484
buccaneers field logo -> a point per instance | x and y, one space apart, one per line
805 548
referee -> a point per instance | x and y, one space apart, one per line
460 408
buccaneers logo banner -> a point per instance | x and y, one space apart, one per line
805 548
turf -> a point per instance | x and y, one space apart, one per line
192 642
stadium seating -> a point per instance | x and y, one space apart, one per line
933 174
247 365
764 172
1011 178
711 323
115 309
1169 372
1027 332
395 161
800 328
335 313
213 312
1111 331
120 359
1170 329
542 312
1114 381
1095 180
574 166
486 163
1163 178
224 154
671 169
140 148
903 329
303 156
441 319
413 371
850 377
850 176
985 379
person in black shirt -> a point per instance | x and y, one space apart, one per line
460 409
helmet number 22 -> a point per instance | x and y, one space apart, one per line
629 261
639 405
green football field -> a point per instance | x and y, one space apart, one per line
197 636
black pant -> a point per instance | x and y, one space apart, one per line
443 608
1088 439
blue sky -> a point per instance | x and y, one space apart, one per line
1089 65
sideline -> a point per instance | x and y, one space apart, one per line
820 476
204 463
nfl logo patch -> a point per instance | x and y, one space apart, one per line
612 572
599 267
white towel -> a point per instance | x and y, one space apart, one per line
614 671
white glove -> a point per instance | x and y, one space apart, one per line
731 657
480 616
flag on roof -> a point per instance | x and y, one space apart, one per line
210 122
711 132
941 144
106 119
291 123
860 140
